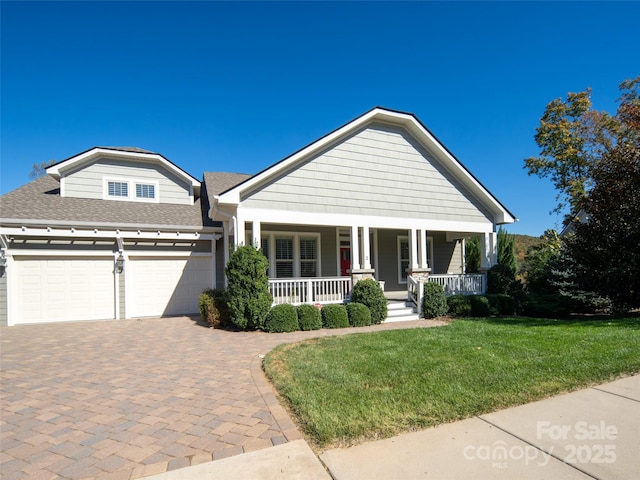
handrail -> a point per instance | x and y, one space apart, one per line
297 291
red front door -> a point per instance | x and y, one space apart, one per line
345 260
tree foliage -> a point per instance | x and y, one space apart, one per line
573 137
248 298
472 255
506 251
39 169
603 254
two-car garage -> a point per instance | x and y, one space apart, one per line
60 288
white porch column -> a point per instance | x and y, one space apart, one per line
488 252
214 280
366 247
256 236
413 248
424 249
355 246
239 233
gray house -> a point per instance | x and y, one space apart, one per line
124 233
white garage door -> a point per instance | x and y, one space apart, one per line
166 286
60 289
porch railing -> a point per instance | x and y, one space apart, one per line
469 284
297 291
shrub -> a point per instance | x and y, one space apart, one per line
551 305
249 299
459 306
334 316
501 279
508 305
213 308
309 317
480 306
494 303
282 318
359 314
369 293
434 301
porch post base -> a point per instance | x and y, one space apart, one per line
361 274
419 273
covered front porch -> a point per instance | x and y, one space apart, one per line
319 264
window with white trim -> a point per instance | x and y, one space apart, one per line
117 189
403 259
284 257
308 257
145 190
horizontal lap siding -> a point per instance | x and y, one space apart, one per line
379 171
87 182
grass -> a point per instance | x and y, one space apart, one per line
355 387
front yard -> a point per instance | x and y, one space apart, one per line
364 386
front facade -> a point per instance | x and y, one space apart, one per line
124 233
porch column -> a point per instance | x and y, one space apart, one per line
214 280
413 249
239 234
488 250
355 245
424 250
366 247
256 237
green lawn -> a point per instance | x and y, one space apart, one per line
372 385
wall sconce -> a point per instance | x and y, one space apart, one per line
120 264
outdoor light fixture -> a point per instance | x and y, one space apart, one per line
120 264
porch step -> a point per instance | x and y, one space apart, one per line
401 311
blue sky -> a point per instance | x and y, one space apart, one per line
217 86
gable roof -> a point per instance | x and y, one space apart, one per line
407 121
58 169
218 182
39 202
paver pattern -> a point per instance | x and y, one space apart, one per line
131 398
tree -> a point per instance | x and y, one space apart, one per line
506 251
603 254
472 255
39 169
539 263
248 296
573 137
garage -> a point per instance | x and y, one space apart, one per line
158 286
54 289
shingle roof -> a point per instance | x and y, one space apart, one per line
129 149
218 182
41 200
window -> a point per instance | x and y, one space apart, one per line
264 247
308 257
403 258
145 190
284 257
118 189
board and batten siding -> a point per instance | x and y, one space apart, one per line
381 171
88 181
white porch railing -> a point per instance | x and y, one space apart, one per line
310 290
470 284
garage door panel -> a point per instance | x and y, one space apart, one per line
167 286
62 289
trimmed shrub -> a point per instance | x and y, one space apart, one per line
248 299
550 305
494 303
434 301
459 306
334 316
213 308
508 305
359 314
480 306
369 293
309 317
282 318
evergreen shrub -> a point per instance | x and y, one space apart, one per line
369 293
282 318
334 316
434 301
309 317
359 314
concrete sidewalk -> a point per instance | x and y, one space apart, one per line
587 434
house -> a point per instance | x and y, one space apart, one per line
125 233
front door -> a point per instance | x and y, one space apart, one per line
345 260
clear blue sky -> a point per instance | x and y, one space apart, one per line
238 86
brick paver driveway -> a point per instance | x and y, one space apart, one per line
129 398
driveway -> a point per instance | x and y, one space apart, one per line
130 398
